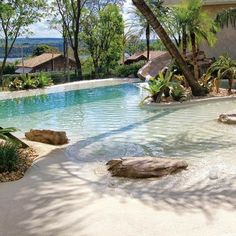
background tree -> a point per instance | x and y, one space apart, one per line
15 17
131 39
44 48
103 35
143 27
70 13
226 18
195 26
170 46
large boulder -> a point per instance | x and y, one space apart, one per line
47 136
154 66
145 167
228 119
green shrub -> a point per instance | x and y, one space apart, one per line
178 92
29 81
127 70
43 80
9 157
9 69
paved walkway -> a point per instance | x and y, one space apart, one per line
60 198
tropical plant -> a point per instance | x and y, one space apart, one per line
195 26
5 131
178 92
170 46
9 156
43 80
30 82
157 86
223 68
226 18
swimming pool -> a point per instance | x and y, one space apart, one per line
107 122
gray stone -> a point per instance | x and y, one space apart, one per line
227 119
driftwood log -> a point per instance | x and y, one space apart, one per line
47 136
145 167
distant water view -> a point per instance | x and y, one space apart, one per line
29 44
11 60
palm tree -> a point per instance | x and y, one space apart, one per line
226 18
197 90
143 27
130 36
196 27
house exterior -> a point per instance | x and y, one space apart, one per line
226 42
44 63
142 56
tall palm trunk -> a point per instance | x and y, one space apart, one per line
194 51
148 40
197 90
184 41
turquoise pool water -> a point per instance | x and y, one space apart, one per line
108 122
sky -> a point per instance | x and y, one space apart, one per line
42 30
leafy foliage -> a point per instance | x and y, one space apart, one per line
5 131
226 18
128 70
15 17
223 68
9 156
30 82
158 85
44 49
178 92
103 35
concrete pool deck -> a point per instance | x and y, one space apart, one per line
59 197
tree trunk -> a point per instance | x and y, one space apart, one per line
2 69
184 41
197 90
148 41
96 69
78 65
194 51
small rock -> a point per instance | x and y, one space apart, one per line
227 119
213 175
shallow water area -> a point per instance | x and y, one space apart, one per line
107 123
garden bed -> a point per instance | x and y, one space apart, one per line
27 157
211 97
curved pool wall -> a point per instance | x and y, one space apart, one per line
66 87
107 122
